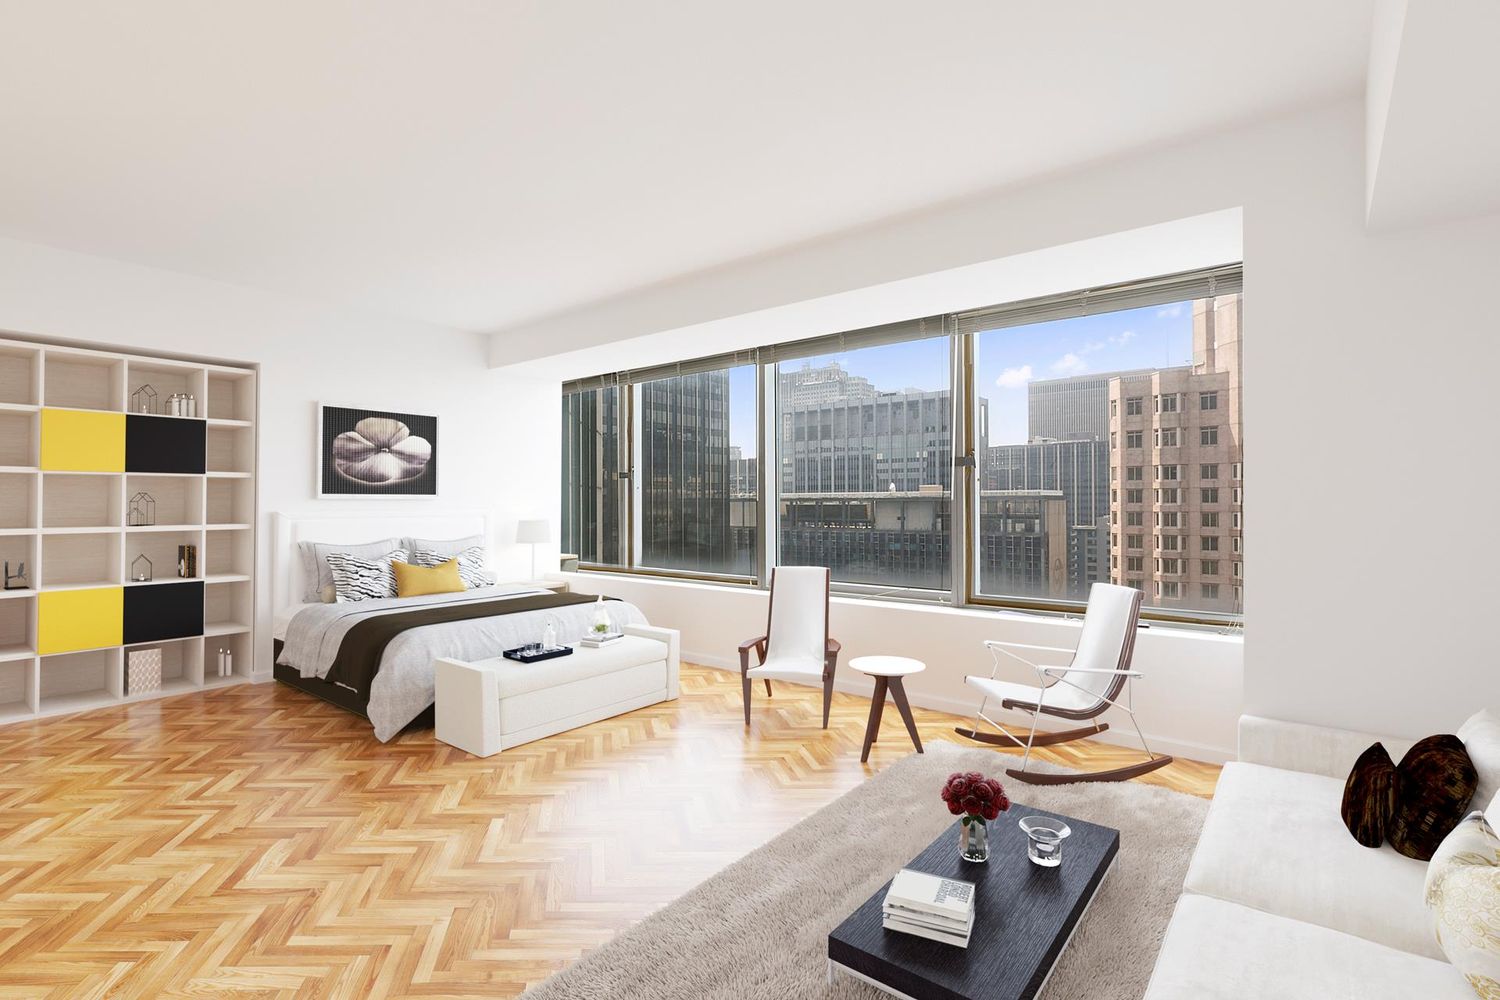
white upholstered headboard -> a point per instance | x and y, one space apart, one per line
287 583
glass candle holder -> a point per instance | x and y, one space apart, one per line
1044 837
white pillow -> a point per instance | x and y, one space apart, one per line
317 575
1492 814
356 579
470 564
445 547
1481 738
1462 894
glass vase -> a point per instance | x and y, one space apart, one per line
974 839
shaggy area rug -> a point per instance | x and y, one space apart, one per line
758 930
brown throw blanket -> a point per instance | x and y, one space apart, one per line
364 645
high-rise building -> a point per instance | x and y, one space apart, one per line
684 469
1176 514
1071 409
886 442
1078 472
827 383
1021 542
590 475
744 473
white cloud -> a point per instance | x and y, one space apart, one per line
1014 378
1070 364
1170 312
1122 338
1091 347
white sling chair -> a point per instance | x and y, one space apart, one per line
1085 689
796 646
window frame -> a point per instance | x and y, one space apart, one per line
964 527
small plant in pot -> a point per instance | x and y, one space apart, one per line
977 801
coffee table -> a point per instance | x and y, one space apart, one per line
1024 916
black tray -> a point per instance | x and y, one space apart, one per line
519 656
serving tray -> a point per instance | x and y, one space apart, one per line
520 655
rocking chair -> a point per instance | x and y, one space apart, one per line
1081 691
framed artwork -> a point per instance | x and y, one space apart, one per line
376 453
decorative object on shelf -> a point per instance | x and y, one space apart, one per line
16 580
226 662
143 400
977 801
182 404
187 562
142 670
533 533
601 623
376 453
142 511
1044 839
140 569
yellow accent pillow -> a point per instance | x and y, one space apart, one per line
414 581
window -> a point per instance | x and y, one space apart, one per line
1209 567
1238 471
1210 591
1171 566
865 482
1044 400
591 493
1171 590
692 431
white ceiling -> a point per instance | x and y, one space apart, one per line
479 164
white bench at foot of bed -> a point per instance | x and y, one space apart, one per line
486 706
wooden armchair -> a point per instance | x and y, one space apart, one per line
796 646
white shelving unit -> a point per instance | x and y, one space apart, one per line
72 528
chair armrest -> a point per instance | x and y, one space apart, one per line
758 644
997 643
1049 671
672 638
833 646
750 644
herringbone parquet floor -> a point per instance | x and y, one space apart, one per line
254 842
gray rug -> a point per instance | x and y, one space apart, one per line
758 929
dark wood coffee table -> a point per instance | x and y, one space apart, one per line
1024 916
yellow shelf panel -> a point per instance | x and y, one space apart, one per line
69 620
82 441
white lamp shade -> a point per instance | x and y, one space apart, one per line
534 531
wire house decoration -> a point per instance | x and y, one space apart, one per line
140 569
142 511
143 400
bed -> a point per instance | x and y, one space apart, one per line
375 658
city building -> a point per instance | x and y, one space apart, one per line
590 525
1078 471
1075 408
867 443
826 383
684 469
1177 501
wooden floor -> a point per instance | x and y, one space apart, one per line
254 842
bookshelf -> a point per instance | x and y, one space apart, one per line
72 457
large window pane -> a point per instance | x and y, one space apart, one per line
697 464
1110 450
591 493
865 464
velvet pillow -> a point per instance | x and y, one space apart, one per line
1370 796
1434 783
418 581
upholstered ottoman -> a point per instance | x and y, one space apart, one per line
490 705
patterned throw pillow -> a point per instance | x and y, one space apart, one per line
470 564
1370 796
356 579
1434 784
1463 895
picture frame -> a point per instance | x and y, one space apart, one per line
366 453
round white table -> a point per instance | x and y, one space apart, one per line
888 671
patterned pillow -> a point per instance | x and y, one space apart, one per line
1370 796
470 564
1463 895
1434 783
356 579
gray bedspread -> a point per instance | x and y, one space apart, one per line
403 688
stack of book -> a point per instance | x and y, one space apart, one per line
930 906
594 640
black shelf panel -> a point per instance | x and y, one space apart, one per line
163 611
165 444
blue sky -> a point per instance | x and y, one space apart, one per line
1005 361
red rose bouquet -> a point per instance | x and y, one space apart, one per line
974 797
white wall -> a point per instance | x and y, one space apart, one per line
307 353
1368 373
1187 703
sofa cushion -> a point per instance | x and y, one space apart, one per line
1216 950
1273 841
1369 796
1434 785
1481 736
1463 893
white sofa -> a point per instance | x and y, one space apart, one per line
486 706
1281 902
